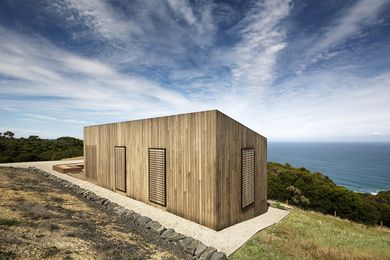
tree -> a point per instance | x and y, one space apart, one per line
9 134
35 149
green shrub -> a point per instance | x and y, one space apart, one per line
318 192
35 149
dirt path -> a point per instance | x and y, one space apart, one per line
38 219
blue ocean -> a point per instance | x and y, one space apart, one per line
361 167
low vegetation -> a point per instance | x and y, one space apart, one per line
312 235
307 190
34 148
40 220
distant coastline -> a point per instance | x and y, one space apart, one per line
361 167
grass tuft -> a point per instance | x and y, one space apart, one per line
8 222
4 255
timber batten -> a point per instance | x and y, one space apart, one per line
201 165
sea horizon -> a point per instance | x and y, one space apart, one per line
359 166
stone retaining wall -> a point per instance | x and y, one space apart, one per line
190 245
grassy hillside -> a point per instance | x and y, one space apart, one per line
312 190
311 235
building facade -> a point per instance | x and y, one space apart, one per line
203 166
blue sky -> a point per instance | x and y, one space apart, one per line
291 70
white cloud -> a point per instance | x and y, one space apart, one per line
183 8
262 39
81 82
361 15
203 23
328 105
99 16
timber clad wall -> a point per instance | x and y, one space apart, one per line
202 164
231 138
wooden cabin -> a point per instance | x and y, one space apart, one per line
203 166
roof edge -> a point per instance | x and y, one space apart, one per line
156 117
232 119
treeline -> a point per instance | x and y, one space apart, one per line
34 148
317 192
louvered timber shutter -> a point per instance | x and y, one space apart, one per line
120 168
90 162
157 176
247 177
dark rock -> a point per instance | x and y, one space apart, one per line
127 212
217 256
189 245
85 193
176 237
113 205
92 196
200 249
160 230
119 210
80 191
101 201
130 215
167 233
142 221
207 253
153 225
136 216
110 205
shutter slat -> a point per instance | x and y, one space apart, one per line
120 168
247 177
157 176
90 162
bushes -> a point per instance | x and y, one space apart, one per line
35 149
318 192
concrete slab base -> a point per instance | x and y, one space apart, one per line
227 240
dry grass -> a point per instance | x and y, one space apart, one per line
310 235
39 220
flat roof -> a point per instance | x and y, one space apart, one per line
182 114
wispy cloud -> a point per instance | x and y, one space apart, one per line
262 39
350 23
85 83
99 16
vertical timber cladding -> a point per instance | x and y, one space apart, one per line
247 177
120 168
157 176
202 166
232 137
90 162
